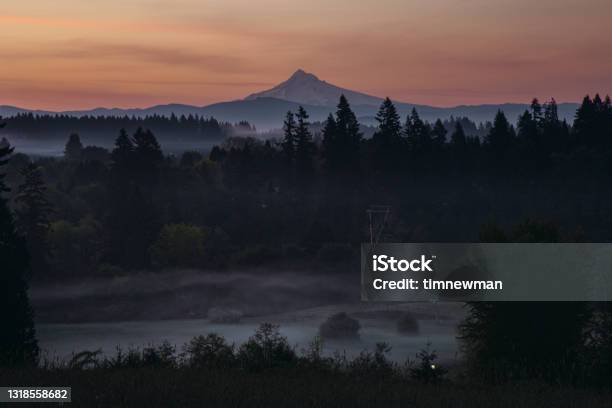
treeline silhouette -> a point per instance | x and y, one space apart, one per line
540 144
250 200
183 127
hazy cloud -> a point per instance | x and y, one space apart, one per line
86 50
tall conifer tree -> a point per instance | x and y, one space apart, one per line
387 140
74 148
304 147
288 143
33 211
439 134
18 344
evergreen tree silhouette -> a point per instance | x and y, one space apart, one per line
304 147
122 154
217 154
584 120
288 143
74 148
439 134
551 129
18 344
348 138
330 144
120 189
500 139
458 139
551 113
389 126
593 122
147 158
417 133
528 133
536 110
133 218
387 141
33 210
342 141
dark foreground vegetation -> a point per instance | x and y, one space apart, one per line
292 387
266 371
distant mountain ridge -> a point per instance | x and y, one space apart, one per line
266 109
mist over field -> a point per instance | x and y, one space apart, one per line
55 147
191 293
140 310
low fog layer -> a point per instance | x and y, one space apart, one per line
145 309
55 147
190 294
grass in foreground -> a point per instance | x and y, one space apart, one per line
288 387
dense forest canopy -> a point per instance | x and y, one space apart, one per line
248 199
189 128
50 127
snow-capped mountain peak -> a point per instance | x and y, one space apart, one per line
306 88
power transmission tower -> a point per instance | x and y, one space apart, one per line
378 216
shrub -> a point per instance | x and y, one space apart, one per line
130 359
313 355
340 326
179 245
75 247
256 255
427 371
85 359
373 364
159 356
209 351
520 340
151 356
596 358
267 348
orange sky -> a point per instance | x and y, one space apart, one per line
69 54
